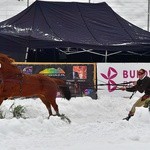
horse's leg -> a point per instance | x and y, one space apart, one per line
62 116
51 99
55 106
47 104
1 100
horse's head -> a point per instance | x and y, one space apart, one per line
6 65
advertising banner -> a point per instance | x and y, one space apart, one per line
79 77
111 76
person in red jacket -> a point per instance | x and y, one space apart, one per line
143 86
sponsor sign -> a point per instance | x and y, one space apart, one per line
114 73
53 72
80 77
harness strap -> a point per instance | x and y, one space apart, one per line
20 76
1 80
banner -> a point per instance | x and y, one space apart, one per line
116 73
79 77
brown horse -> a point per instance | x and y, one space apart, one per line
14 83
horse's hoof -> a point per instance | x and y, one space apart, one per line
59 115
49 116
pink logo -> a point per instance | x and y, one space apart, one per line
111 74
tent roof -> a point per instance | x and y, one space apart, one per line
72 24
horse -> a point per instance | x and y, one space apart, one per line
15 83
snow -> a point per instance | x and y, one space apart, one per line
95 124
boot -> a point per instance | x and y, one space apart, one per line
127 118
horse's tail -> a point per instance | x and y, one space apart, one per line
64 88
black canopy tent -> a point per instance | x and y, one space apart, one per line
70 28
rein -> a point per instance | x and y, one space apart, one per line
1 80
117 84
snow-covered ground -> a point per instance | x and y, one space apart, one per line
96 124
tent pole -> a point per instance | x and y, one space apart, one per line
26 56
148 17
106 54
27 49
27 3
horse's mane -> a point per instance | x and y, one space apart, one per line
6 58
8 63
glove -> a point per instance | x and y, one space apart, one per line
134 83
